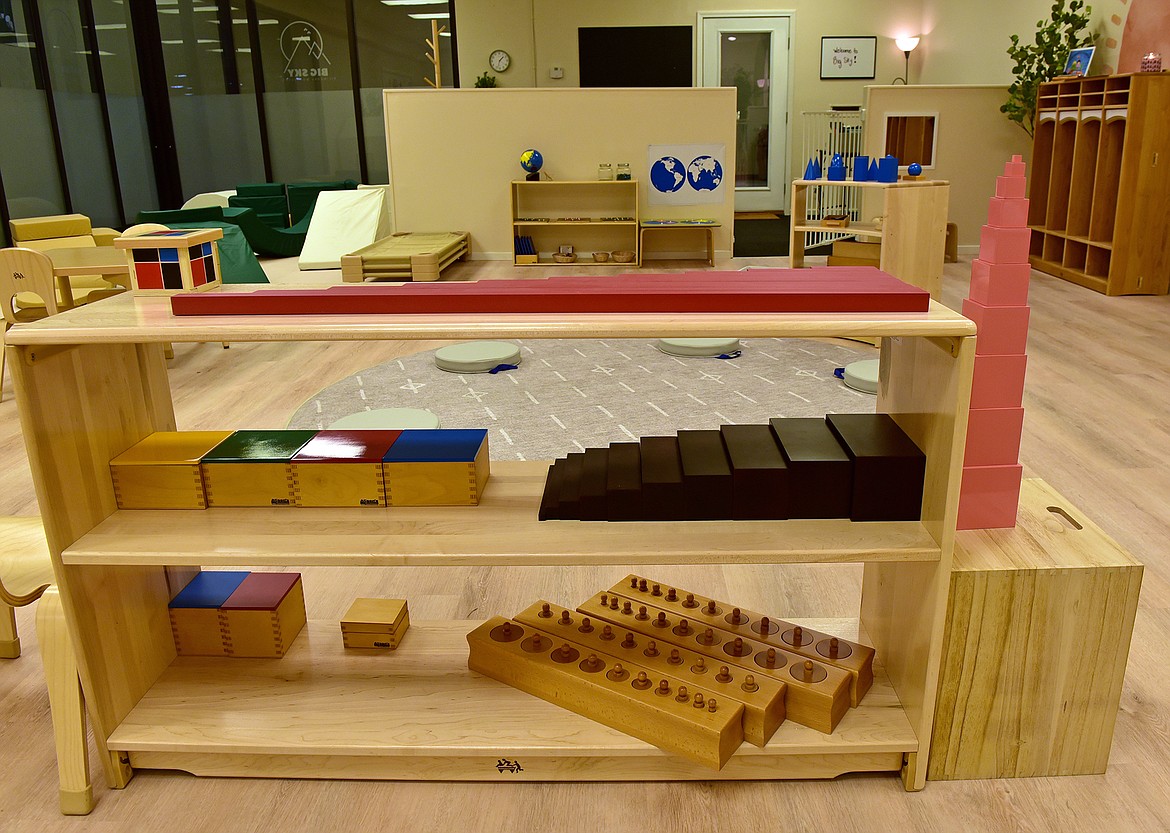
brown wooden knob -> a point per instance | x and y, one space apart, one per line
545 612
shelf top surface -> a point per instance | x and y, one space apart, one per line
127 318
502 529
849 183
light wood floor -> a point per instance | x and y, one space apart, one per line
1097 428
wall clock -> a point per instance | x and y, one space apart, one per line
500 60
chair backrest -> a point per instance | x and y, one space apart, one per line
26 271
144 228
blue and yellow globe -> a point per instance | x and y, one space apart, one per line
531 160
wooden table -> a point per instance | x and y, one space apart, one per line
679 226
103 261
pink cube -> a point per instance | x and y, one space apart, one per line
989 497
1004 213
1011 187
993 436
1004 245
1016 167
1000 284
998 381
1003 331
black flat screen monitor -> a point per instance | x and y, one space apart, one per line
635 56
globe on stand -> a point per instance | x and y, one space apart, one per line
531 161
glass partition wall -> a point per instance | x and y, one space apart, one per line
115 106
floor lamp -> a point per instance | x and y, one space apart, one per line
907 46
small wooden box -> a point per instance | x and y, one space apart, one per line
195 620
166 262
375 623
437 467
342 468
1038 626
252 468
264 615
162 471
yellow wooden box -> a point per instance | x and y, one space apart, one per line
1039 620
430 480
162 471
252 468
264 615
375 623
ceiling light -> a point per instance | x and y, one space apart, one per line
413 3
431 16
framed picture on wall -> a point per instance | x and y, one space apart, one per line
849 57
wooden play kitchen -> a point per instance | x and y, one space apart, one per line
97 376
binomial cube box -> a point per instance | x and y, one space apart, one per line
167 262
252 468
263 616
437 467
341 468
162 471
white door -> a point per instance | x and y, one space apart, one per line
750 53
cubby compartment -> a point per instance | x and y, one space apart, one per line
1098 262
1053 248
1063 147
1074 255
1108 180
1080 200
1036 244
1041 170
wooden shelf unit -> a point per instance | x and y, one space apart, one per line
1097 191
92 381
913 231
544 204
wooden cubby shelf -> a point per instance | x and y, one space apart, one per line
578 213
93 381
1081 191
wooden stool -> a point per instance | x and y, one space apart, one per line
387 419
707 228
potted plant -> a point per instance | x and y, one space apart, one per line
485 80
1044 59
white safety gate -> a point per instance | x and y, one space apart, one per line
827 132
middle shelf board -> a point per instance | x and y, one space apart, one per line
421 704
502 530
863 229
591 223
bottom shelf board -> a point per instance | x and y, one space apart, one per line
1100 284
418 713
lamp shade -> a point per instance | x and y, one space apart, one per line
907 44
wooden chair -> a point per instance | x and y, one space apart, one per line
26 574
28 291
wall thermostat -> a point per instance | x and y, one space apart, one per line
556 72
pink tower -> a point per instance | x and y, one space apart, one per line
998 304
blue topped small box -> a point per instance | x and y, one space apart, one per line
195 612
436 467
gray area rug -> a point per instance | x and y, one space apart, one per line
568 395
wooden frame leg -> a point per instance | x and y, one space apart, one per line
66 704
9 638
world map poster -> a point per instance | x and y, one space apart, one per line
685 174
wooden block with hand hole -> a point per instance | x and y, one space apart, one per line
263 615
852 657
437 467
194 613
817 699
375 623
252 468
622 696
762 697
341 468
1038 627
163 470
167 262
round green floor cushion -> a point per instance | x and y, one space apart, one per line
862 375
709 347
387 419
476 356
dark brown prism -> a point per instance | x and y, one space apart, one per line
663 498
819 470
551 499
569 504
706 475
592 505
888 468
759 475
623 487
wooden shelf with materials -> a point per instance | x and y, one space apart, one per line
96 375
